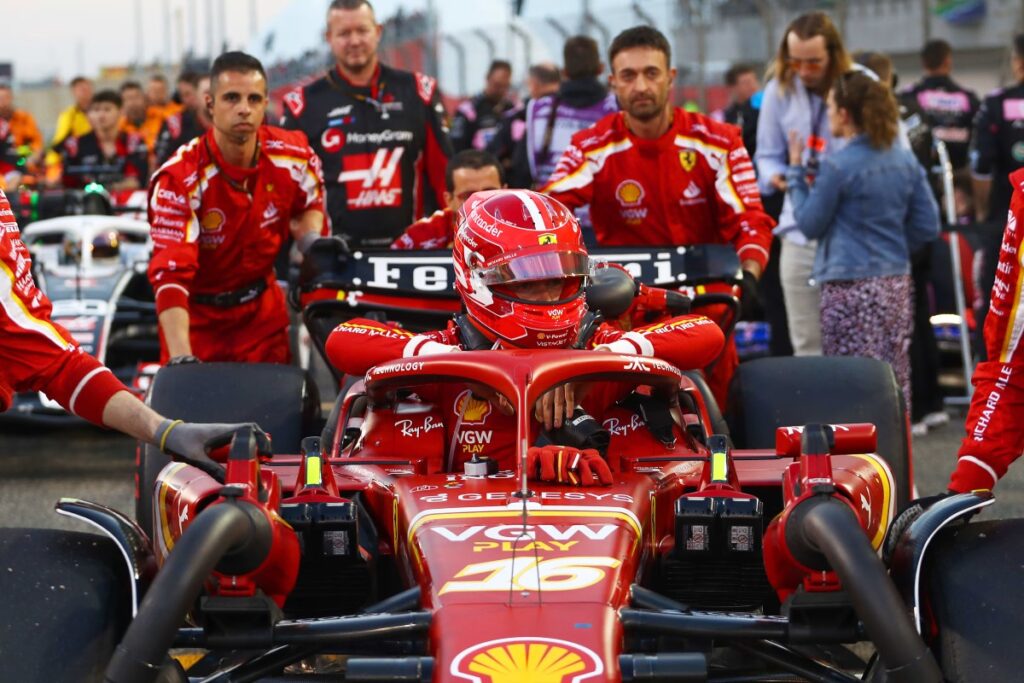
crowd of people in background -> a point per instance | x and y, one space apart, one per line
823 179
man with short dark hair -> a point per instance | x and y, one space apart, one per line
508 141
581 101
379 131
137 118
158 96
997 150
469 171
219 212
744 107
192 121
105 155
949 107
477 118
73 121
655 174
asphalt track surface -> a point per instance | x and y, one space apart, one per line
40 465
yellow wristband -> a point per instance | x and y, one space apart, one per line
163 438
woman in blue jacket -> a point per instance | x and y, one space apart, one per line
869 207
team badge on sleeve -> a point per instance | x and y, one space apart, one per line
687 159
296 102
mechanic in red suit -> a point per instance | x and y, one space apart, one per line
659 175
520 268
39 355
469 171
995 421
219 211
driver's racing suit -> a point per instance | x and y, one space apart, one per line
474 426
35 353
995 422
217 230
693 185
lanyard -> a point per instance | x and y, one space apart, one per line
375 98
815 143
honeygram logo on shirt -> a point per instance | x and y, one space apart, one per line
473 410
629 193
540 660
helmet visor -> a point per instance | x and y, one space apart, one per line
544 266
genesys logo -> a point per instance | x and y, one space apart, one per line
544 660
372 180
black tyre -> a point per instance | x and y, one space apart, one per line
67 603
280 398
973 576
774 392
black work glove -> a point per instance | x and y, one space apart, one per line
751 301
905 518
183 360
191 442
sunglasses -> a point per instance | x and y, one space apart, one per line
812 65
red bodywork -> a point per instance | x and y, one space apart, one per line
534 587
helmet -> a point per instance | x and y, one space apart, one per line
72 250
106 246
521 267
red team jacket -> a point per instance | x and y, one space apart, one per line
35 353
995 421
218 228
436 231
693 185
357 345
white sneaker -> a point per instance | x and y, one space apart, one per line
936 419
919 429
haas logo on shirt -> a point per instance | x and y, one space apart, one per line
373 180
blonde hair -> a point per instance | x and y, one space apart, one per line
872 107
805 27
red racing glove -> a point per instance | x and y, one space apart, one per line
566 465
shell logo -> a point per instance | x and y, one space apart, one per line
473 410
629 193
527 660
212 220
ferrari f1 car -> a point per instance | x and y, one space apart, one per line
739 549
93 269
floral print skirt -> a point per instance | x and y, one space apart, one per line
872 317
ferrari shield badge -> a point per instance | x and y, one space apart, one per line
687 159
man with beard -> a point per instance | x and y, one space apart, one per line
655 174
810 58
379 132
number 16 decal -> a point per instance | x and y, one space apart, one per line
527 573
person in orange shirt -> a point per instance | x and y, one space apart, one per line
23 128
158 94
138 119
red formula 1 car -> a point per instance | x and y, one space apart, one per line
358 555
